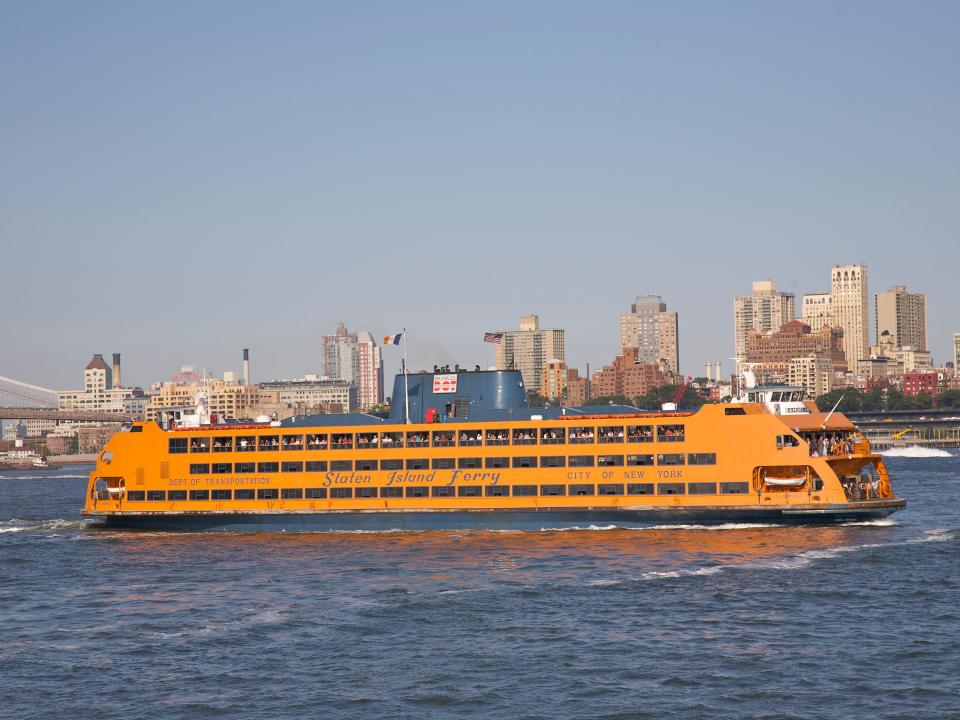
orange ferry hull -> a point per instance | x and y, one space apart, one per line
499 520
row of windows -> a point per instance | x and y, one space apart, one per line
532 461
420 491
436 438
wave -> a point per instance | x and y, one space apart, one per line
916 451
16 525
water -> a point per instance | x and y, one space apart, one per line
685 622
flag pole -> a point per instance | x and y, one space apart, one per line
406 385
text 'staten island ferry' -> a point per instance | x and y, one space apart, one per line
475 456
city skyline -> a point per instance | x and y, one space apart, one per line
170 195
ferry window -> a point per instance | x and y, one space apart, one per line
444 463
469 463
610 460
136 495
701 458
470 437
670 433
525 462
199 445
316 466
220 494
418 464
443 438
610 434
639 488
580 461
391 464
610 489
734 488
199 494
366 492
341 441
341 465
316 441
550 461
316 493
416 492
199 468
525 437
244 467
292 442
443 491
640 433
497 490
156 495
291 493
702 488
525 490
177 495
670 459
394 439
268 467
246 443
553 436
268 494
580 490
791 441
368 440
553 490
498 437
223 444
366 464
243 494
581 435
497 462
671 489
391 492
296 466
775 397
341 493
638 460
177 446
221 468
734 411
416 439
268 442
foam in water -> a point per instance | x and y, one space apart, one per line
915 451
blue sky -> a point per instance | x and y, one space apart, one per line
181 180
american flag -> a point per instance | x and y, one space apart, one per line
493 337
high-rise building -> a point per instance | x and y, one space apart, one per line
630 377
653 331
99 393
904 316
529 349
355 358
849 304
771 352
813 372
817 311
764 310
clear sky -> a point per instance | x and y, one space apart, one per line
179 180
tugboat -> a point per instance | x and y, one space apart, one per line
462 450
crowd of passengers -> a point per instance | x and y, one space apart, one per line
862 488
830 443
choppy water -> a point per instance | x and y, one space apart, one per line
857 621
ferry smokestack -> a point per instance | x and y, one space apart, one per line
116 370
246 366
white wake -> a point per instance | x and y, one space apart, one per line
915 451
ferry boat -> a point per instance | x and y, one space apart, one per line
464 451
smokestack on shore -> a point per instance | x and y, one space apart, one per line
116 370
709 369
246 366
